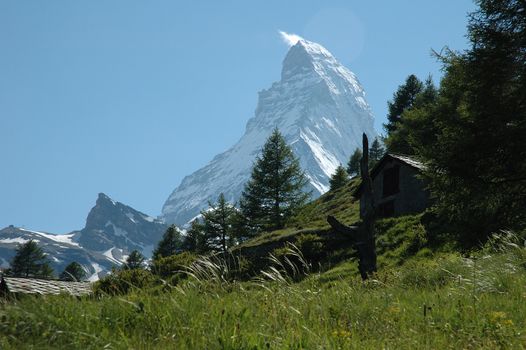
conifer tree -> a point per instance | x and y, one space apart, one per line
473 136
217 224
30 261
375 153
402 140
353 166
403 99
275 190
134 261
195 239
339 178
73 272
170 244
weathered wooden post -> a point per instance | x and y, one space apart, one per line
363 236
369 214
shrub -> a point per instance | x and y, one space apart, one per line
124 281
170 267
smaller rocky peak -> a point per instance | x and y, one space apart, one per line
105 199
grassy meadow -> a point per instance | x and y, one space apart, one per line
436 301
298 288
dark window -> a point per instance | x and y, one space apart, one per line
386 209
391 181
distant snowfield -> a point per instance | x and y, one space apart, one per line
57 238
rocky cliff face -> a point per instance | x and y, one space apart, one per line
113 225
112 231
320 108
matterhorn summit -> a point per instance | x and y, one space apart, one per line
319 107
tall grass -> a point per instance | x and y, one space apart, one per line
446 301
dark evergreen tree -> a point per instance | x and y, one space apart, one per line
195 239
376 152
473 137
275 190
353 166
403 99
339 179
218 224
30 261
73 272
402 140
170 244
134 261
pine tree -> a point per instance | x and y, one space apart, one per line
73 272
275 190
217 224
170 244
402 140
195 239
473 136
353 166
30 261
375 153
339 178
403 99
134 261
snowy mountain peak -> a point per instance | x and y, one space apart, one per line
112 224
320 108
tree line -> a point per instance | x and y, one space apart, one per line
471 130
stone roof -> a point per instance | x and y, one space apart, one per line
411 161
41 286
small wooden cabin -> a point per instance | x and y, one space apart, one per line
397 189
12 286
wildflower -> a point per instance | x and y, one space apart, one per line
497 316
341 333
393 310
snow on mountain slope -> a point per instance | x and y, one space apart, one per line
60 249
116 229
320 108
112 231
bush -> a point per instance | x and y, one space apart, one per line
124 281
170 267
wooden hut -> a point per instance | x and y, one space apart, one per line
397 188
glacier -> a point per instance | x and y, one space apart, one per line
320 108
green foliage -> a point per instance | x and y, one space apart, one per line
275 190
30 261
339 178
401 237
411 125
170 244
121 282
403 99
376 152
218 224
171 266
339 203
473 136
447 302
311 247
195 239
134 261
73 272
353 166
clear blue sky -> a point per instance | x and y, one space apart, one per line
127 97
